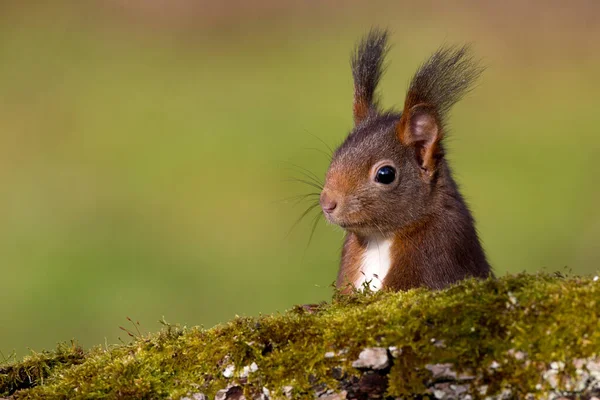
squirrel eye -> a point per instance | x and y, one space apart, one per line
385 175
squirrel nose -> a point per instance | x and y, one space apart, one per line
328 202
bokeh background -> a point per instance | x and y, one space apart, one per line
146 149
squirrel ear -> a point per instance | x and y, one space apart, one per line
440 82
420 129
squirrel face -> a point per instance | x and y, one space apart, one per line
374 184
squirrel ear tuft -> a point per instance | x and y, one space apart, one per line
438 84
367 69
419 128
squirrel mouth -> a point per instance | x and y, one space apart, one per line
336 220
359 227
345 224
349 225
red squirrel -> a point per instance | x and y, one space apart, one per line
389 185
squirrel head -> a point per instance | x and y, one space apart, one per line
382 178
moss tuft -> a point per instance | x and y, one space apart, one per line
501 334
35 368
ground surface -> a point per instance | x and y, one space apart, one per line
518 335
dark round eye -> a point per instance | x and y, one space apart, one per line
385 175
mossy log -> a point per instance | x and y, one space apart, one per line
524 336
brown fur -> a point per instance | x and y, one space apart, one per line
360 109
434 241
352 253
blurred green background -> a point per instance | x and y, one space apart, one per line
145 149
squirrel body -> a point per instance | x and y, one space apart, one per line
389 185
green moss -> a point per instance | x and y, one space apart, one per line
473 326
33 370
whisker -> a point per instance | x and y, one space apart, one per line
298 198
379 228
307 197
322 141
308 171
315 222
316 186
329 156
310 178
304 214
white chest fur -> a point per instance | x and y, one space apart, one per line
376 263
